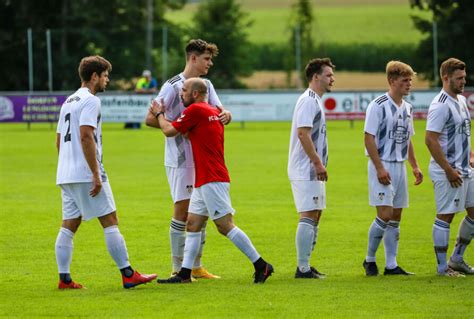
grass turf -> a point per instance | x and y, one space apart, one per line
256 158
344 22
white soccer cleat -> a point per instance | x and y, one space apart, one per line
461 266
451 273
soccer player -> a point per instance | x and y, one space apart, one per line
210 197
178 154
388 131
448 137
85 188
308 157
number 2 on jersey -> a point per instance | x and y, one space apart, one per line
67 137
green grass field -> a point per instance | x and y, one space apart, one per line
256 158
339 22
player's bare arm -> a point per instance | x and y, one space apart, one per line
158 112
225 116
414 164
58 141
89 149
432 142
151 120
304 135
382 175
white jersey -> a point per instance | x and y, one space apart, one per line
452 120
178 152
79 109
308 113
392 127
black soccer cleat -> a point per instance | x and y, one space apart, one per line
397 271
370 268
313 273
261 275
176 279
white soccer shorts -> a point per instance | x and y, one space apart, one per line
181 181
211 199
78 203
450 200
309 195
396 193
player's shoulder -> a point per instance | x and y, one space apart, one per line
175 79
380 100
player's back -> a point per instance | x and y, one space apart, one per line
81 108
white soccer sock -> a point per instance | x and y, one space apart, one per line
191 247
440 240
177 239
466 231
305 236
315 239
63 248
116 246
376 232
242 241
390 240
197 261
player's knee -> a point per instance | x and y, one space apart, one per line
109 220
71 224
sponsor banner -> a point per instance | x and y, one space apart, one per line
244 105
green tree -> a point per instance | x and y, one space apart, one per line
112 28
224 23
301 25
455 22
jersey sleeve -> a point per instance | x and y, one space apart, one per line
306 112
372 120
167 93
212 95
90 112
187 120
436 118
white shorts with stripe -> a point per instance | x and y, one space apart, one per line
211 199
451 200
181 181
309 195
77 202
396 193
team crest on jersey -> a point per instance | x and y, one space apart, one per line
465 127
189 188
399 134
381 196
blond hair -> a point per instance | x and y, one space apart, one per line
396 69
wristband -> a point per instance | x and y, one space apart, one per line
158 114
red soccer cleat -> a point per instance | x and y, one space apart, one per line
136 279
71 285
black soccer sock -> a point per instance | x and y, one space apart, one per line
185 273
127 271
66 278
259 264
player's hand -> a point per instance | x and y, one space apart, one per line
321 173
454 177
383 176
418 175
225 116
471 161
96 186
156 107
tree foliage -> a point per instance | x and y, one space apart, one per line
301 21
455 25
224 23
115 29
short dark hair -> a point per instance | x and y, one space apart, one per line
315 66
450 65
91 64
198 47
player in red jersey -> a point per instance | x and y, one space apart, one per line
210 198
